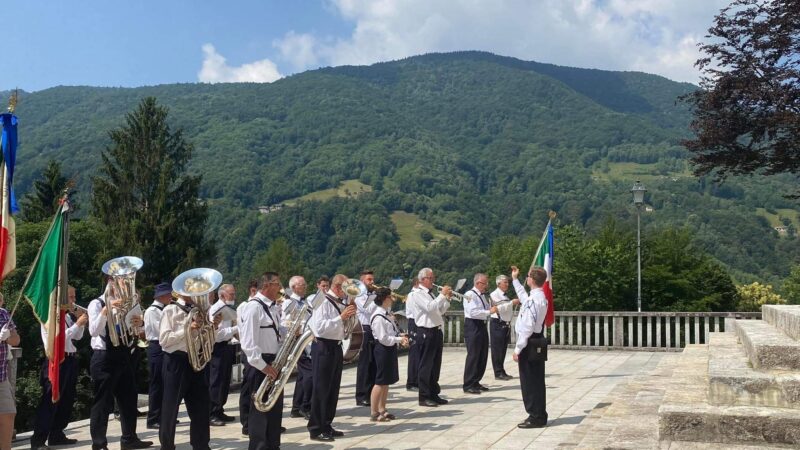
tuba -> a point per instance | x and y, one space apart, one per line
285 361
122 286
198 284
352 288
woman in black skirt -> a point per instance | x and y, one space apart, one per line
386 339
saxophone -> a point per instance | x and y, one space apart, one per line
198 284
286 359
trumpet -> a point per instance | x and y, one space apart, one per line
454 295
77 310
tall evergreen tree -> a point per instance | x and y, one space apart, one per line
147 202
40 204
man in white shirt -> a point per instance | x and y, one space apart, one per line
223 355
365 374
412 380
530 326
477 308
429 310
328 324
112 378
500 326
297 307
52 418
261 336
244 390
162 296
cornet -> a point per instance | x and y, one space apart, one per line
77 310
455 296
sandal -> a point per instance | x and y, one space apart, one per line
388 415
378 418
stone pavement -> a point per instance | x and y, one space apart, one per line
577 382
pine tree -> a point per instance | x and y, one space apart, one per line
147 202
40 204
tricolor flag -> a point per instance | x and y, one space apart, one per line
544 259
8 244
46 291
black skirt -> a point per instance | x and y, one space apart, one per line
386 364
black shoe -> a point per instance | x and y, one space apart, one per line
441 401
216 422
153 426
482 387
427 402
306 414
362 403
472 390
528 423
61 440
295 413
323 437
336 433
283 430
508 376
136 444
99 447
226 418
412 388
140 413
244 431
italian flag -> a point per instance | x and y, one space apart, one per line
544 259
46 291
8 203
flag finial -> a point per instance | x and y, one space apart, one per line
552 214
12 102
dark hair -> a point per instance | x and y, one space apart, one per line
539 276
323 278
381 294
367 272
267 278
253 284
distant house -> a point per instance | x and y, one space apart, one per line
270 208
782 230
648 208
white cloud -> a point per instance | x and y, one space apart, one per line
216 70
656 36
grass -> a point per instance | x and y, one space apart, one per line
634 171
410 227
347 188
775 219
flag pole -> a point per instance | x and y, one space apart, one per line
552 215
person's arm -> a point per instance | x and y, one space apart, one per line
97 320
249 325
322 324
75 332
170 333
383 332
520 290
524 328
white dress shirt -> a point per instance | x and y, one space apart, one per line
428 310
366 307
410 313
505 308
152 320
476 305
259 330
73 333
171 335
531 314
226 329
290 305
383 328
326 321
97 323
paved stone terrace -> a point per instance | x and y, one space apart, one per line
577 383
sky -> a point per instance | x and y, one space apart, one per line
147 42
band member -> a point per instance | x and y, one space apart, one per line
223 356
387 339
530 325
301 399
429 310
182 382
328 324
500 326
412 383
323 284
8 406
365 375
244 390
52 418
477 308
261 337
112 379
152 322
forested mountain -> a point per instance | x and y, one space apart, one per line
476 145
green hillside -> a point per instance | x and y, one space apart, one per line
475 145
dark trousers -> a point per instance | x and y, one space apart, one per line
303 385
430 362
412 379
52 418
500 336
531 380
183 383
155 358
112 378
477 339
265 427
244 393
365 377
326 368
221 372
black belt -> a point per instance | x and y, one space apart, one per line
428 328
330 341
476 320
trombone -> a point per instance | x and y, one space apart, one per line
393 286
455 295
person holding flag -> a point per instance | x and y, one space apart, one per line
8 406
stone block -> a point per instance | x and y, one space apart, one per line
766 347
785 318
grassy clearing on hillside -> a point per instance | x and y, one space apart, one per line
631 171
775 219
410 228
347 188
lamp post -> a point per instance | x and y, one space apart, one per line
638 191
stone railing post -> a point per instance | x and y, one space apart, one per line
619 331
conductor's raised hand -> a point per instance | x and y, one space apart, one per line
514 272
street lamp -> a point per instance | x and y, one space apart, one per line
638 191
